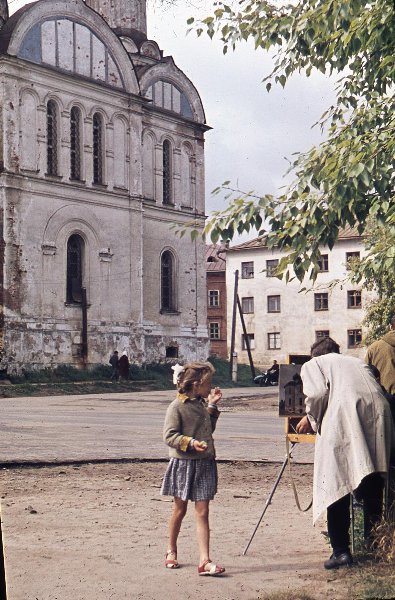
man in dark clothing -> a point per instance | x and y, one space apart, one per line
114 362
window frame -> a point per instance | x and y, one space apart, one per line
251 339
350 255
98 148
79 250
218 330
354 295
323 263
271 266
52 139
271 297
276 339
75 144
247 272
167 173
249 302
321 337
214 294
355 333
168 291
317 300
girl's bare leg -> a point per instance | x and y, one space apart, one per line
203 529
179 512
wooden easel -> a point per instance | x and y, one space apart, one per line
290 437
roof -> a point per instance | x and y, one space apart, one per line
348 233
215 258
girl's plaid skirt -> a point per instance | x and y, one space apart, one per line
191 479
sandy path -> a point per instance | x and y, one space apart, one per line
99 533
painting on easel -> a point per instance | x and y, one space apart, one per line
290 392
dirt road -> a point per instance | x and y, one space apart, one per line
98 532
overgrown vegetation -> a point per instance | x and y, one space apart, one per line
65 380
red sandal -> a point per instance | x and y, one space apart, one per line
171 563
210 568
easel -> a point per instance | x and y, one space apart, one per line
3 587
293 438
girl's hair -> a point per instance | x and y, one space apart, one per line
196 372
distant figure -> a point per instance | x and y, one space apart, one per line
124 365
381 354
274 370
114 362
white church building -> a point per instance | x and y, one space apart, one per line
101 153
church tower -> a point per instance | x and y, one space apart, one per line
122 14
3 12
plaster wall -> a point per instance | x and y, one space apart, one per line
298 321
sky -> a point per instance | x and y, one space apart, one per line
255 133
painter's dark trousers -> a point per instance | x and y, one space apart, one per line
370 492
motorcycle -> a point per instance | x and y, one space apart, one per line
267 378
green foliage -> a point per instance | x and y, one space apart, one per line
349 178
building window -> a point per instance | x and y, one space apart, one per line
321 301
274 304
354 338
52 138
247 270
247 305
323 263
98 149
171 352
214 331
167 173
213 298
354 299
251 341
167 282
271 266
274 341
351 256
75 252
321 334
75 143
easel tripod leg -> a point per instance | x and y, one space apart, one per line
268 501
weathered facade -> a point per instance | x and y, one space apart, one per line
101 153
281 320
216 300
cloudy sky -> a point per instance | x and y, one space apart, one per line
254 132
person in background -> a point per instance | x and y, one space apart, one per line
124 366
347 409
274 371
114 362
381 354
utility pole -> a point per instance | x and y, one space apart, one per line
247 339
84 307
233 335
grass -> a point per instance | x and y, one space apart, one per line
66 380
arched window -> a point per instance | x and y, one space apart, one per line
75 143
167 173
52 138
168 303
97 149
75 252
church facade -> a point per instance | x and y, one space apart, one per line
101 161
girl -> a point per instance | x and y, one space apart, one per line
192 471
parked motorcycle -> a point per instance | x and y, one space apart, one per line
267 378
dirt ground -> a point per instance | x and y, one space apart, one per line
98 532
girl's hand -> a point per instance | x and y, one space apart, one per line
214 396
200 446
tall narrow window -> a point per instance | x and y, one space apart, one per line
75 143
167 282
52 139
75 250
97 149
167 173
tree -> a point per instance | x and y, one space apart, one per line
348 179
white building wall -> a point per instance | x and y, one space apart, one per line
298 321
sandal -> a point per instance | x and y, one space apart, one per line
171 563
210 568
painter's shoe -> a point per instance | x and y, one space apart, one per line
341 560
